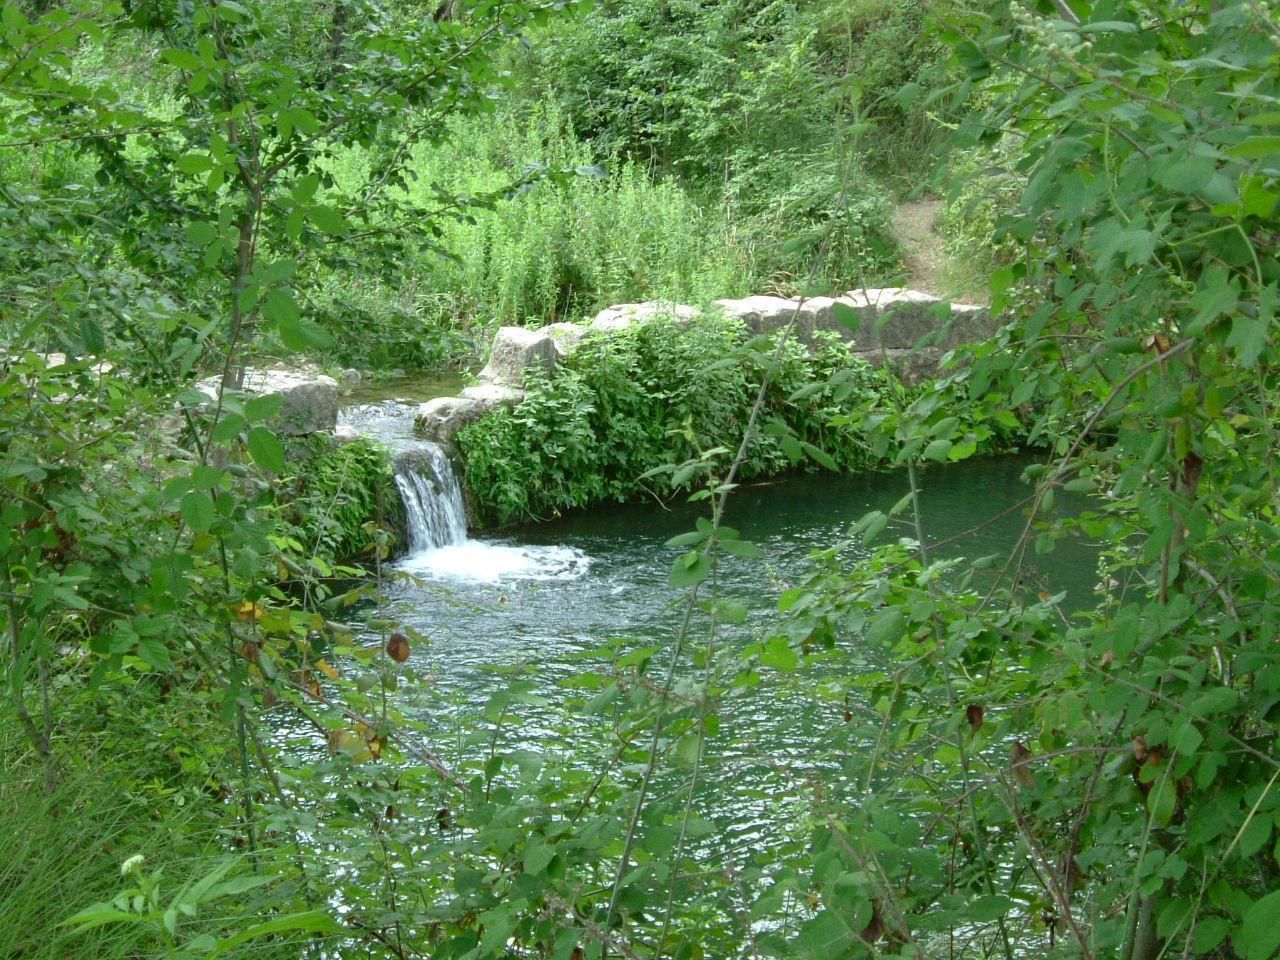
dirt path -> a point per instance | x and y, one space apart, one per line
913 224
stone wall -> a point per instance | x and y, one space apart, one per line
909 329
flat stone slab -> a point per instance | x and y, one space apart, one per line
309 400
759 314
890 317
494 394
622 315
566 336
441 418
910 316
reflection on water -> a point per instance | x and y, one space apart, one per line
414 388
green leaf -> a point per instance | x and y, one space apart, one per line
195 162
887 627
1255 199
825 936
742 548
328 220
1260 933
197 511
99 914
819 455
986 908
182 59
690 569
1162 800
777 653
201 233
938 450
266 450
537 856
1109 26
228 428
1210 931
1214 700
280 307
258 409
846 316
1254 148
312 921
1248 338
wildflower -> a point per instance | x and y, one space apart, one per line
131 865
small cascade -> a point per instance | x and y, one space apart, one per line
435 518
434 514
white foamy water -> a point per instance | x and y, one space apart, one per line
434 513
436 519
489 562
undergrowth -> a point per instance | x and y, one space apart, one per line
609 421
339 495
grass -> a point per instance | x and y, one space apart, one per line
61 851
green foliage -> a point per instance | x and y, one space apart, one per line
900 68
1011 778
983 191
47 866
560 247
749 105
643 411
149 236
1098 785
338 497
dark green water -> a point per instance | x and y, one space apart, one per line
546 589
541 596
415 388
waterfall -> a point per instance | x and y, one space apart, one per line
435 519
432 497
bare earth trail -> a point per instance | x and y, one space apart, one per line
913 223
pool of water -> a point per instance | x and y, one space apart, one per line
413 388
536 601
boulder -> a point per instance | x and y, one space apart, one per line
623 315
345 433
494 394
441 418
565 336
310 399
514 350
910 316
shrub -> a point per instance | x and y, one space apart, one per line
635 411
336 492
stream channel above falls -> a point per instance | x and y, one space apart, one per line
531 602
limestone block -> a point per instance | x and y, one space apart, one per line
514 350
309 399
622 315
494 394
565 336
441 418
909 316
759 314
